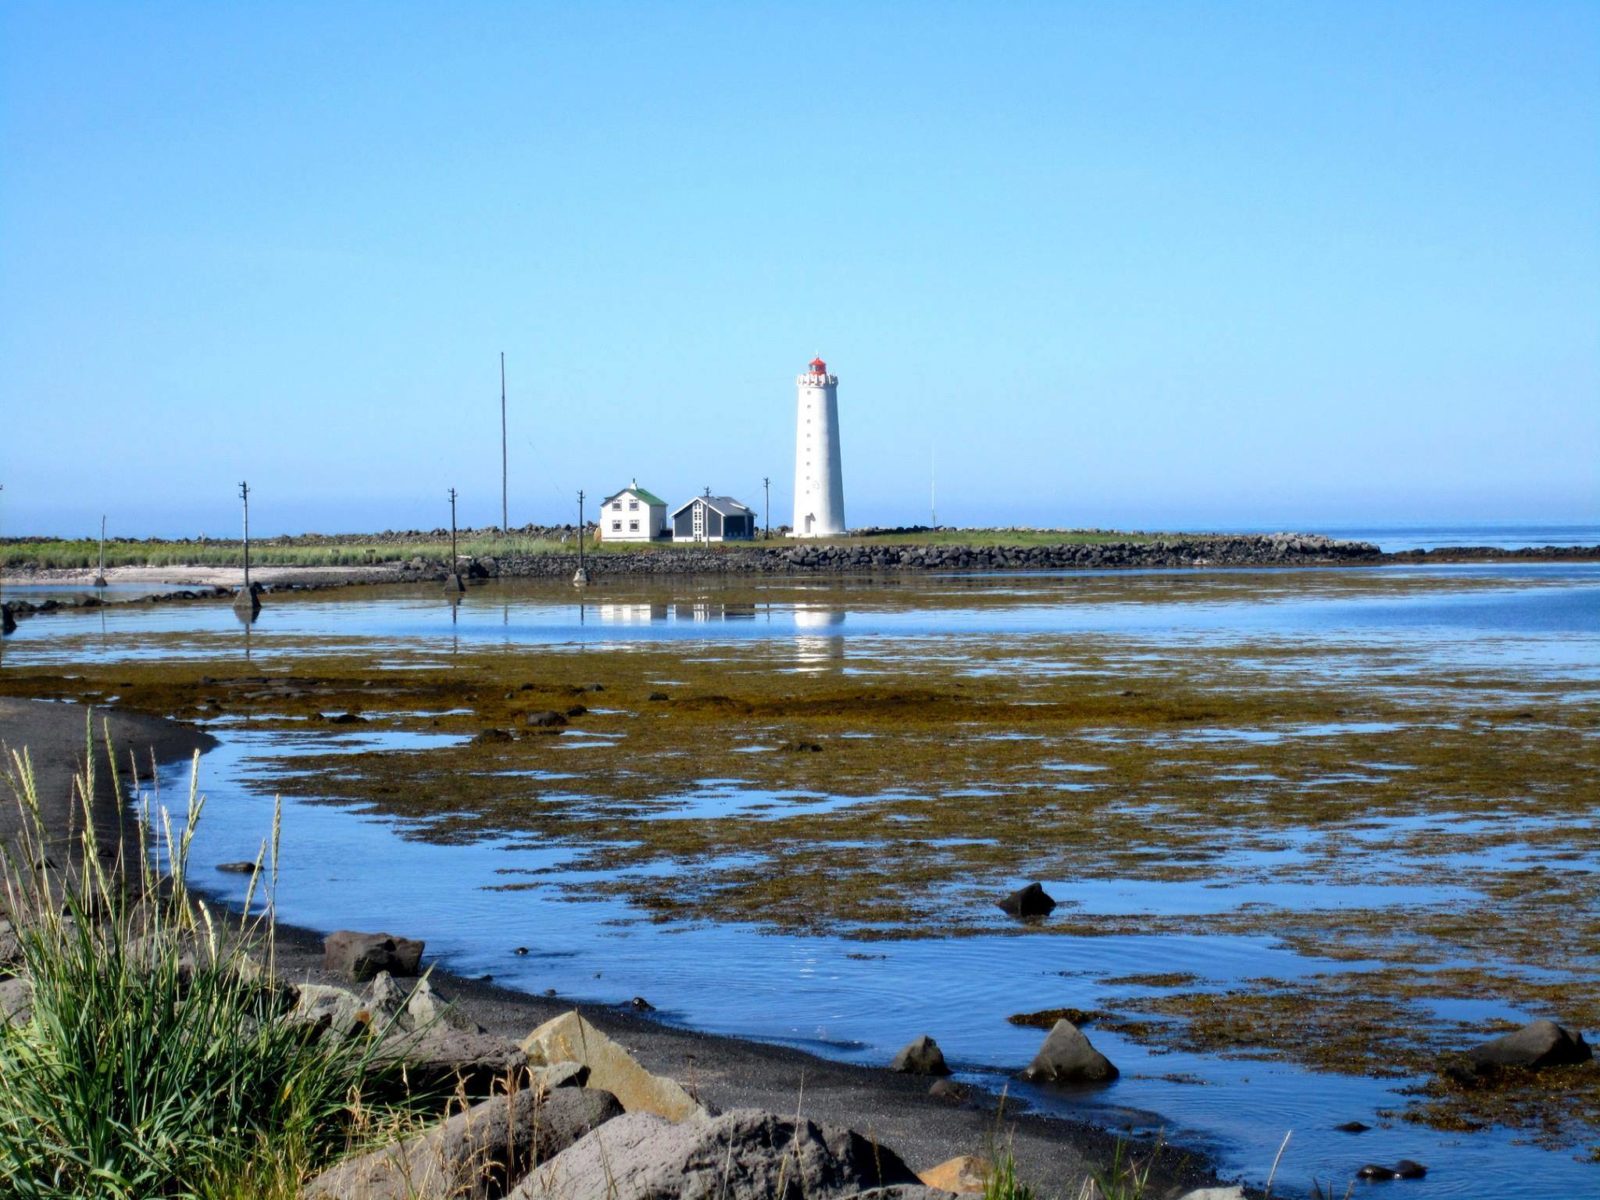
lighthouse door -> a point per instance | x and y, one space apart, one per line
810 520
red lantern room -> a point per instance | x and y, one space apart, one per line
818 367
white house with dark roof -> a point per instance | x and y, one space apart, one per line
711 518
633 515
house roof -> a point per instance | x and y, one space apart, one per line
726 505
647 497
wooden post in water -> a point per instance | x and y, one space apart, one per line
581 576
453 581
247 603
100 575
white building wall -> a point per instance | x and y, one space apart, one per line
651 517
818 467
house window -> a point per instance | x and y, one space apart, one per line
633 506
633 527
616 506
616 527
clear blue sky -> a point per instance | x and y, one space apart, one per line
1222 264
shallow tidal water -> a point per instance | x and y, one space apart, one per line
587 905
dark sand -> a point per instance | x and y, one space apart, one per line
1052 1154
56 738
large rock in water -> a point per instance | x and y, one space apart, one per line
475 1155
921 1057
569 1038
360 956
1067 1057
745 1154
1031 901
1538 1044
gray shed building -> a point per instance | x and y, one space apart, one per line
713 519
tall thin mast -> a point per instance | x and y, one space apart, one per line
505 508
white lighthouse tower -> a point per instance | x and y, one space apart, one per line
818 476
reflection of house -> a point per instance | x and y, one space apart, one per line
631 614
709 610
711 518
633 515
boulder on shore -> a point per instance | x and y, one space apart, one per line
480 1153
920 1057
360 956
571 1039
1537 1044
966 1175
1067 1057
745 1154
336 1010
1031 901
457 1059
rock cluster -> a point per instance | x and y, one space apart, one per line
569 1113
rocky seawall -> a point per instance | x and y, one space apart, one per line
1279 550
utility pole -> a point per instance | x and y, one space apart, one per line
452 581
581 576
100 576
8 623
247 602
505 523
766 505
933 494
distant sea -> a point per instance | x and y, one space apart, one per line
1390 538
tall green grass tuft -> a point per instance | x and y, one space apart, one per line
156 1060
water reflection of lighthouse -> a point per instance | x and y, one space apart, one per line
819 640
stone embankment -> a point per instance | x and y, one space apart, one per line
1478 554
1274 550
